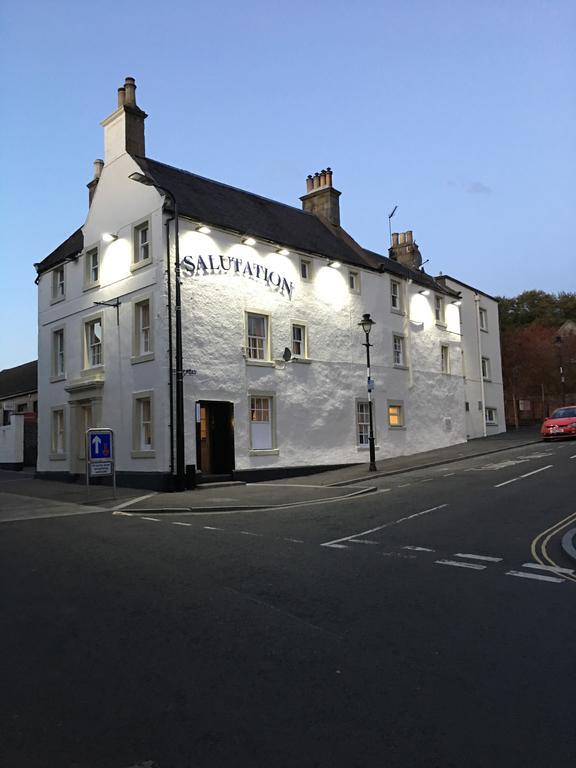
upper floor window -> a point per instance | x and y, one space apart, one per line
395 415
58 284
362 422
93 343
491 416
398 350
58 353
354 281
439 309
485 368
142 329
92 268
445 358
305 269
257 347
299 340
142 243
395 296
483 319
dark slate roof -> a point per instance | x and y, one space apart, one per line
69 249
441 279
19 381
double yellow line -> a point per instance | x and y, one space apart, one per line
540 543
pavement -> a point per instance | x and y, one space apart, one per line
225 497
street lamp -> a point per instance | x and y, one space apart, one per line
559 341
143 178
366 323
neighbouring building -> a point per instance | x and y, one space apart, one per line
273 357
18 416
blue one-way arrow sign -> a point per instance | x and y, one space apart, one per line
100 445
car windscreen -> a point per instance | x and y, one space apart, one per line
564 413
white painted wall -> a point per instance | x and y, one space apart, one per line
12 440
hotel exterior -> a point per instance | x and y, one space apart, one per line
254 364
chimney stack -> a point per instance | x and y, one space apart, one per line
124 128
98 165
404 250
321 198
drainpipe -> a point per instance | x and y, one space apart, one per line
170 355
479 338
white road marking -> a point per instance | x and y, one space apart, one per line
380 527
335 546
427 480
188 524
479 557
553 568
154 519
363 541
295 541
458 564
212 528
528 474
249 533
132 501
404 485
126 514
538 576
449 474
420 549
573 457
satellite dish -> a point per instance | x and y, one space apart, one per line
286 355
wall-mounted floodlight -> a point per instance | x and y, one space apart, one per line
457 303
334 264
283 251
203 229
249 241
108 237
424 292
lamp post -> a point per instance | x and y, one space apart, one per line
143 178
559 341
366 323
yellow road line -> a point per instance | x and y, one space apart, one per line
548 534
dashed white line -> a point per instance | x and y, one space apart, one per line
420 549
537 576
404 485
528 474
295 541
177 523
479 557
249 533
363 541
154 519
126 514
449 474
212 528
573 457
458 564
553 568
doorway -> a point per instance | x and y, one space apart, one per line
215 437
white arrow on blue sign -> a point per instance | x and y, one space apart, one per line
100 446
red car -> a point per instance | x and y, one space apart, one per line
562 423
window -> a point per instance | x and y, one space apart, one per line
142 244
93 343
395 296
395 415
305 269
142 330
485 368
362 422
143 426
58 284
439 309
257 346
261 434
445 358
398 349
467 406
491 416
354 281
299 340
58 353
483 319
58 434
91 268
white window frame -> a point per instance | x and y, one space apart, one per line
91 267
251 348
57 433
141 449
354 283
87 324
445 358
483 319
58 284
398 351
255 407
306 265
491 416
439 310
141 333
58 354
399 405
138 260
362 420
303 354
396 302
485 368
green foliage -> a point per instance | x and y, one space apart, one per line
537 308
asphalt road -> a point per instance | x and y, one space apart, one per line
406 628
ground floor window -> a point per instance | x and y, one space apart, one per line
58 433
362 422
261 426
143 431
491 416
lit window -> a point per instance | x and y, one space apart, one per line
398 349
58 434
395 296
58 284
396 415
93 343
483 319
439 309
142 338
257 347
362 422
354 281
142 244
485 368
299 340
445 358
491 416
305 269
92 267
58 353
261 434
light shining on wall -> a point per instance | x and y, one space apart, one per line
330 287
116 259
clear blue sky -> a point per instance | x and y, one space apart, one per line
462 113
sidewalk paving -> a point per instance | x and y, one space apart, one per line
224 497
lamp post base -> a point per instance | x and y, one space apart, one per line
372 467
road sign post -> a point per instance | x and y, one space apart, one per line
100 461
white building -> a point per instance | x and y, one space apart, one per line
257 277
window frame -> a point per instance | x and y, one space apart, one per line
445 358
139 451
267 345
401 414
399 309
439 310
58 290
362 428
491 422
354 277
483 319
137 262
401 350
58 354
86 323
271 397
307 263
89 282
485 368
303 341
139 355
57 447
